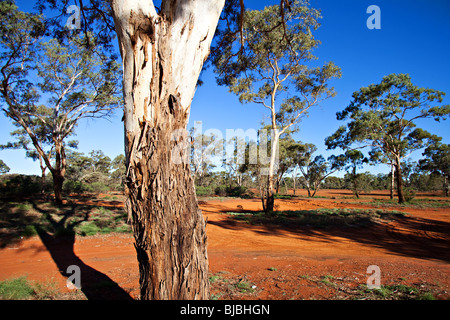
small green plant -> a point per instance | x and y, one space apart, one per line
216 296
326 280
272 269
245 287
426 296
88 229
24 206
16 289
29 231
213 279
409 194
46 291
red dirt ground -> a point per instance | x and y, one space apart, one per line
278 262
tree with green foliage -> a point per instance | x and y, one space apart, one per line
3 167
76 81
315 169
273 64
234 158
118 171
361 182
382 116
354 160
203 151
437 160
288 149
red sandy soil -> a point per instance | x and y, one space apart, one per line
279 262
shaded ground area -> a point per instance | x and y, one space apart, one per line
252 257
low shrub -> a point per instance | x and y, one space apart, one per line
228 191
204 191
71 186
18 185
97 187
409 194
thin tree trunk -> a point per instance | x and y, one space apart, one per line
398 170
57 187
293 178
270 199
163 55
391 195
446 188
59 170
355 183
43 169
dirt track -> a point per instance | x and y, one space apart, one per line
276 262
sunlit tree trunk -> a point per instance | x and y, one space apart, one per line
398 176
391 195
163 54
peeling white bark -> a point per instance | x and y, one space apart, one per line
181 38
163 55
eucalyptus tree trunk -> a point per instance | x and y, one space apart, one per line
446 187
163 54
270 198
58 171
391 194
398 176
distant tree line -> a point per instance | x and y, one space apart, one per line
92 173
299 167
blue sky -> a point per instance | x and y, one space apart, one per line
413 39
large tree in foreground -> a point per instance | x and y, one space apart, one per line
382 116
273 69
163 53
75 82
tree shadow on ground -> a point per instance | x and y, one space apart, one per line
403 235
15 222
94 284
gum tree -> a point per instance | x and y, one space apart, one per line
382 116
316 169
48 87
273 62
163 52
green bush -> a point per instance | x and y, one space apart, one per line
71 186
237 191
88 229
97 187
227 191
18 185
204 191
409 194
221 191
29 231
